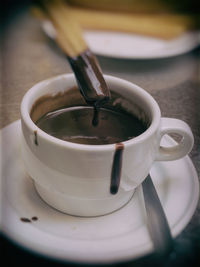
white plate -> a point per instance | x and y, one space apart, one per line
116 237
125 45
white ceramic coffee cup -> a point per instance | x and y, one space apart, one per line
75 178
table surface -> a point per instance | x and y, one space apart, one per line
28 57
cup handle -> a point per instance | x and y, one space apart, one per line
175 126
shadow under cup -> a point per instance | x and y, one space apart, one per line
77 178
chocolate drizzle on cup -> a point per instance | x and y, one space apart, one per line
116 168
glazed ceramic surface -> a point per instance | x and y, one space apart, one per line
75 178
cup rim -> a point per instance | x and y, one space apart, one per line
25 115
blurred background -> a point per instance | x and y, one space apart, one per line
29 55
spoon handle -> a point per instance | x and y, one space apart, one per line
157 223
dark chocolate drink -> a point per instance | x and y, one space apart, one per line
76 124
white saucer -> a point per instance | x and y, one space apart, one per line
127 45
116 237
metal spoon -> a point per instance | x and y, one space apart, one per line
157 223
